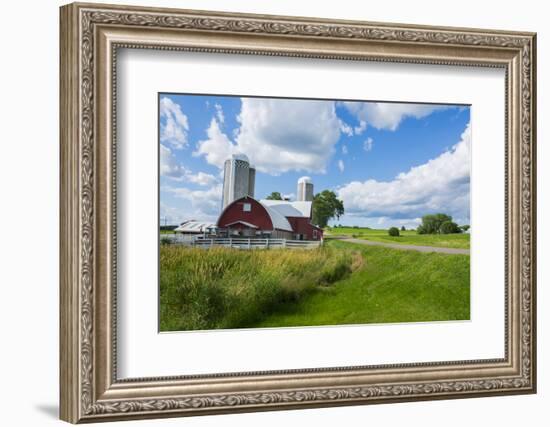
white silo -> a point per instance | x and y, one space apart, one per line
238 179
305 189
251 180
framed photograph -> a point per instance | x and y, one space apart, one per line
266 212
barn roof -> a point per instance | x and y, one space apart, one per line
279 221
287 208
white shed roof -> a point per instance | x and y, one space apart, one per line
195 227
286 208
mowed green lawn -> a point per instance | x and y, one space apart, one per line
391 286
408 237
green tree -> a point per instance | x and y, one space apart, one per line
393 231
464 228
403 228
275 196
325 207
431 224
449 227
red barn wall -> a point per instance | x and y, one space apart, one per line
257 215
301 225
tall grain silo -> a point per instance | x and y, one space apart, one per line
238 179
251 180
305 189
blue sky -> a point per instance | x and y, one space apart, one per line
390 163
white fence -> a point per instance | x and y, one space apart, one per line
242 243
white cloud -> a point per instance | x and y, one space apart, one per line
219 114
169 166
345 128
205 203
344 149
201 178
367 145
387 115
177 211
283 135
361 128
440 185
217 148
170 215
341 165
350 131
277 136
175 127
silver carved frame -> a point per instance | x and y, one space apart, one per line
90 36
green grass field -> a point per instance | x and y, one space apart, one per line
408 237
342 283
166 231
391 286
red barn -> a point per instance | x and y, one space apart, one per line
280 219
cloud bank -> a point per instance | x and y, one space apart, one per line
440 185
204 203
387 115
277 135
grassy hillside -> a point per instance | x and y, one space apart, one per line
228 288
391 286
341 283
409 237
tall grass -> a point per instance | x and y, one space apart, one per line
222 288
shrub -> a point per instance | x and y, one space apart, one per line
165 241
449 227
402 228
393 231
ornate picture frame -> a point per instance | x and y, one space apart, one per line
90 37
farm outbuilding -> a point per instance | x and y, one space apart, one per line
248 217
196 227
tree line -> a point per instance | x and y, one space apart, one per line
438 223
